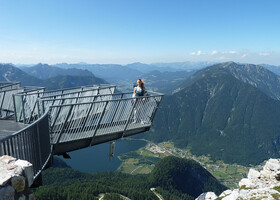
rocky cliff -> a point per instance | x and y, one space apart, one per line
258 185
16 178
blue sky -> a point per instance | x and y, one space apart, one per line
126 31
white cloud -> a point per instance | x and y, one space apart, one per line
214 52
230 52
264 54
244 56
193 53
198 53
222 58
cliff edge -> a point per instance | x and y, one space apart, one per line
258 185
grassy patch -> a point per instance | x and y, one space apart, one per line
276 196
243 187
168 145
277 188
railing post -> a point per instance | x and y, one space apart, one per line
23 111
157 106
14 100
116 109
59 109
89 110
39 144
32 111
2 101
64 124
43 106
124 130
98 123
38 107
1 105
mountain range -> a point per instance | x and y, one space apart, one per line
273 68
162 79
228 111
80 77
45 71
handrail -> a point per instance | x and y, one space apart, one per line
98 95
26 144
67 89
30 89
128 98
27 108
90 89
6 102
4 85
76 121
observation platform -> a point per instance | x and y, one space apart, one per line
8 127
36 124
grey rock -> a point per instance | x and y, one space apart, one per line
7 193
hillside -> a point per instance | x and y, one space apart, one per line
180 66
180 175
60 82
109 72
45 71
184 176
11 73
255 75
165 82
273 68
219 115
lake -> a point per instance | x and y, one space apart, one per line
96 158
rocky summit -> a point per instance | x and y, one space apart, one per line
258 185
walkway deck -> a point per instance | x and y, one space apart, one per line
56 122
7 127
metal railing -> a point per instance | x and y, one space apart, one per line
9 85
47 102
31 143
27 106
119 113
23 101
6 99
66 116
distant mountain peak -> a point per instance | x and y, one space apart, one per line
227 64
255 75
227 110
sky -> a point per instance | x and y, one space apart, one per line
147 31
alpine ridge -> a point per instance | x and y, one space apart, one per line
225 111
57 78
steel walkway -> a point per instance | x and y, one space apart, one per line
66 120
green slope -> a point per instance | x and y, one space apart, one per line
219 115
185 176
173 178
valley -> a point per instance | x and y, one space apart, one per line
143 160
